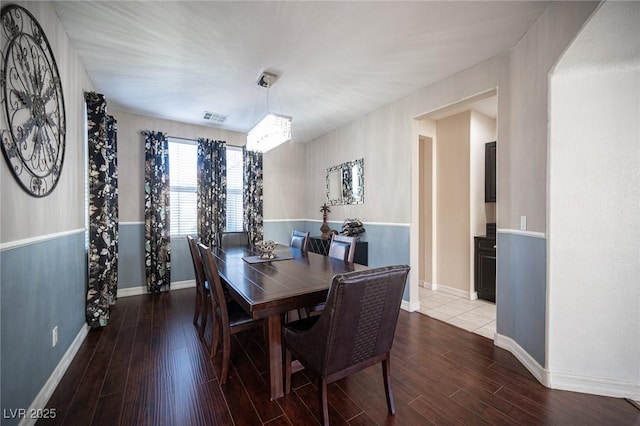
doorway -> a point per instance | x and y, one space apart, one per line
452 211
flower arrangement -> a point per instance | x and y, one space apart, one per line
352 228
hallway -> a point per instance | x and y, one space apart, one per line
478 316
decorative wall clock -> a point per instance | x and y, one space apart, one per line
33 132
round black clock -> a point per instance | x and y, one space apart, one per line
33 132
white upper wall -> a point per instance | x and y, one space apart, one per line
23 216
131 154
387 138
594 205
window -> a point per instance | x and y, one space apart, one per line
235 174
183 165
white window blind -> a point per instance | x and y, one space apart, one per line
235 174
183 162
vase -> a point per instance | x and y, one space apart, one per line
325 229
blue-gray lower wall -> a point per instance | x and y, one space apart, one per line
388 243
181 263
131 257
42 285
521 291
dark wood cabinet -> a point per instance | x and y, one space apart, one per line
321 246
485 268
490 151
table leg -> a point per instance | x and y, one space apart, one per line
274 331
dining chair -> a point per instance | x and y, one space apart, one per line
300 240
202 288
342 247
234 239
229 317
355 330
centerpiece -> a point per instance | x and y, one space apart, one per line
266 249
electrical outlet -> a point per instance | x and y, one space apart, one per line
523 223
54 336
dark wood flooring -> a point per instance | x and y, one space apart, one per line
148 367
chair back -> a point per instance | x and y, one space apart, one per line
359 320
234 239
343 247
215 284
300 240
197 263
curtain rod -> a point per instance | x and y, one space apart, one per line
184 139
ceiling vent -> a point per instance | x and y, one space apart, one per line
212 116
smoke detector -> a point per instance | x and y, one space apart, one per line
266 79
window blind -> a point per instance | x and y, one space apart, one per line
235 174
183 162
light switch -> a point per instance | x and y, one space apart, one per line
523 223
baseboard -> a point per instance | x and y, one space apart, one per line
137 291
41 400
410 307
451 290
523 356
595 385
569 382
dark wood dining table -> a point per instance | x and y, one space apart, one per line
292 280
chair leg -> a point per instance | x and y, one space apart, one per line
205 315
216 336
196 313
386 374
324 406
226 355
287 371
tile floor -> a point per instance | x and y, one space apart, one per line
478 316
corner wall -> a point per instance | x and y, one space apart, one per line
594 208
42 247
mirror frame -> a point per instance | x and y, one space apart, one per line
346 193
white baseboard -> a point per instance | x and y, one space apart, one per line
527 360
594 385
569 382
40 401
137 291
451 290
49 387
410 307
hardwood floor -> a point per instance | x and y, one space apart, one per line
148 367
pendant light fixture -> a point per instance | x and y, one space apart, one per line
273 129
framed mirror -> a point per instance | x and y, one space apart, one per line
345 183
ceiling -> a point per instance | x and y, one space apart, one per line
336 61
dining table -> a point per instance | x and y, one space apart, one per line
268 288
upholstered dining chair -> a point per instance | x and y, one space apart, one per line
202 288
229 317
300 240
342 247
355 330
234 239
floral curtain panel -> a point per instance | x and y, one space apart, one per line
212 190
157 242
252 201
103 210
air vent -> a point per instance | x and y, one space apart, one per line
212 116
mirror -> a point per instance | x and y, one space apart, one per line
345 183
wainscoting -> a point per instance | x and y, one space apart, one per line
43 286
